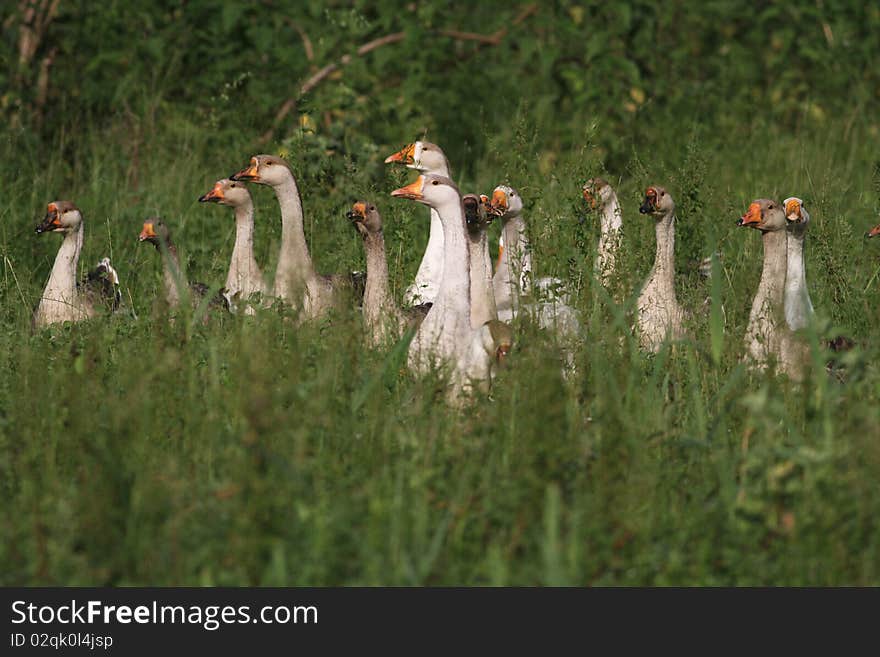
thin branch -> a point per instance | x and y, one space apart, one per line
322 74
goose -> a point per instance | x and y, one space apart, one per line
425 157
764 334
513 282
798 307
660 317
446 337
63 299
157 233
599 195
245 278
296 280
384 320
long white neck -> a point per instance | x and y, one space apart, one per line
482 293
516 264
427 282
295 267
447 327
768 302
662 276
378 303
244 274
609 239
62 281
798 307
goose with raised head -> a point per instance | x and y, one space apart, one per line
296 280
798 306
764 334
601 196
63 299
156 232
660 317
384 320
425 157
446 337
244 278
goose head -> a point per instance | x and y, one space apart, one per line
104 267
61 217
420 155
658 202
597 193
431 190
476 211
155 232
497 340
505 202
227 192
796 214
765 215
366 218
874 232
266 170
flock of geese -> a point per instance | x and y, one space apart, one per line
459 308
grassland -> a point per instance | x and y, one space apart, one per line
248 451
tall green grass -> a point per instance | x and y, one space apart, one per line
250 451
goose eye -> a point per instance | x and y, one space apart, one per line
435 182
372 207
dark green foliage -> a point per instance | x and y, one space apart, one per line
254 451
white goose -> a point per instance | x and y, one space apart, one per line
446 337
296 280
660 317
798 306
599 195
63 299
764 334
429 158
245 278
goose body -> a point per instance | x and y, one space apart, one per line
63 299
660 317
244 278
296 280
446 337
429 158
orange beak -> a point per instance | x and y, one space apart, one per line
752 217
412 191
589 198
405 155
498 204
215 195
51 221
793 210
874 232
147 232
501 354
250 173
